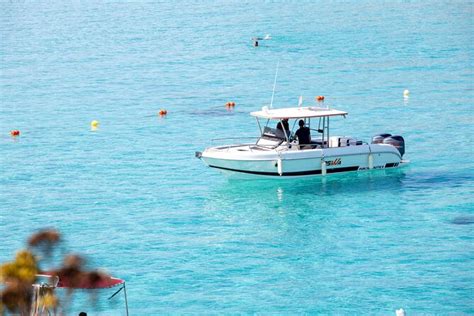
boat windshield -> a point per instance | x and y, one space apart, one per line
274 137
271 133
271 137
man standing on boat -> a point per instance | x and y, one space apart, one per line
284 126
304 135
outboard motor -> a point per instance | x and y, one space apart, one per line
397 141
378 139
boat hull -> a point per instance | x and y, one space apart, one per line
301 163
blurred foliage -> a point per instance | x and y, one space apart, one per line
18 277
24 268
23 295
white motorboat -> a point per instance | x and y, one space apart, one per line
277 153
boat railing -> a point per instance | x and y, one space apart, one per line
250 141
46 280
232 138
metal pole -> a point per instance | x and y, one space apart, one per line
126 302
259 127
35 301
328 129
324 129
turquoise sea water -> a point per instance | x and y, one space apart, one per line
132 197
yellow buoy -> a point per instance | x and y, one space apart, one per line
95 123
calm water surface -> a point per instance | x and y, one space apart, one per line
132 197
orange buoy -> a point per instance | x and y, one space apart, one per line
163 112
320 98
15 132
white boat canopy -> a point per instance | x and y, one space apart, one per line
294 113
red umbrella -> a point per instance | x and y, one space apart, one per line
89 281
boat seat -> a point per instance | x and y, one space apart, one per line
313 145
318 143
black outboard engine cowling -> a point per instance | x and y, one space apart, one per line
397 141
378 139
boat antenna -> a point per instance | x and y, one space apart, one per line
274 84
